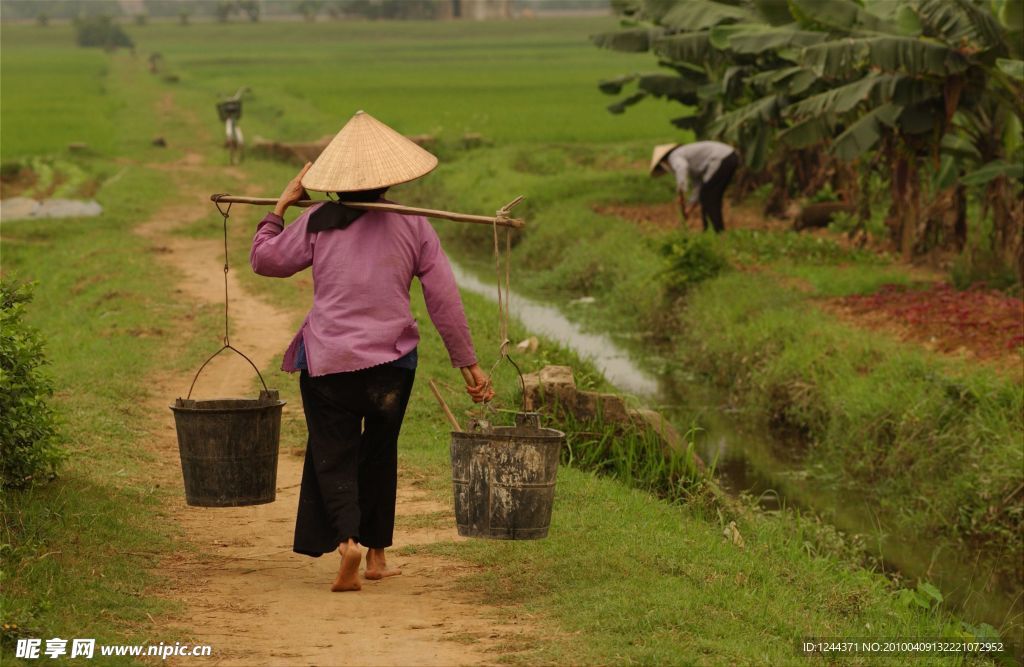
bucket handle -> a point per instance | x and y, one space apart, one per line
236 351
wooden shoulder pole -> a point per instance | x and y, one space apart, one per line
500 220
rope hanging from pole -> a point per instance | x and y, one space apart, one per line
503 299
225 213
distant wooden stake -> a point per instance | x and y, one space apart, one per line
444 406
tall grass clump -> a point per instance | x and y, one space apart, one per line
692 259
632 455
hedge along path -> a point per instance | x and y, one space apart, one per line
246 594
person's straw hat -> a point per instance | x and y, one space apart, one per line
660 151
365 155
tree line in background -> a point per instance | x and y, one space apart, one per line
221 10
917 103
43 11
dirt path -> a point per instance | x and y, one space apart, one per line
246 594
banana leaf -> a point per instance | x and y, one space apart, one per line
623 104
756 39
862 135
808 132
915 57
614 86
693 47
842 99
839 15
762 112
696 15
633 40
994 170
1011 68
960 22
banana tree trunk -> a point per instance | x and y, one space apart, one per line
903 214
1007 224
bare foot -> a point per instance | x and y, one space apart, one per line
377 567
348 573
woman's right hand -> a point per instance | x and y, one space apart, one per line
478 385
292 192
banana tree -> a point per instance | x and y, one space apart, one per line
903 91
890 83
724 58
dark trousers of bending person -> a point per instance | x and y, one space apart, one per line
712 193
351 469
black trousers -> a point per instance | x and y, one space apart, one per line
350 476
713 191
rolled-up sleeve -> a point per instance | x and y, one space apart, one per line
441 294
279 252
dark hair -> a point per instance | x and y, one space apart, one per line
361 195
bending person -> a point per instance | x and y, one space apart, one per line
703 169
356 349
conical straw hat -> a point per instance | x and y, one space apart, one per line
366 155
660 151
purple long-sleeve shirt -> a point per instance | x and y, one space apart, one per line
361 280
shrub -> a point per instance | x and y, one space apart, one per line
101 31
28 434
982 266
693 258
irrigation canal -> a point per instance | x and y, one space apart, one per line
749 461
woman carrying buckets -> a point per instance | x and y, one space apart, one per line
356 349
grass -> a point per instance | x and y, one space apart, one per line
508 83
624 577
78 553
873 411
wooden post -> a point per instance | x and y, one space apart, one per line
444 406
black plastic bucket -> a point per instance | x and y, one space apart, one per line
504 479
229 446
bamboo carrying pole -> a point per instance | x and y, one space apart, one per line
501 219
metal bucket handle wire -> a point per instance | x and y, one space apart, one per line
236 351
503 299
225 212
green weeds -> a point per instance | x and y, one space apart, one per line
692 260
757 247
633 456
